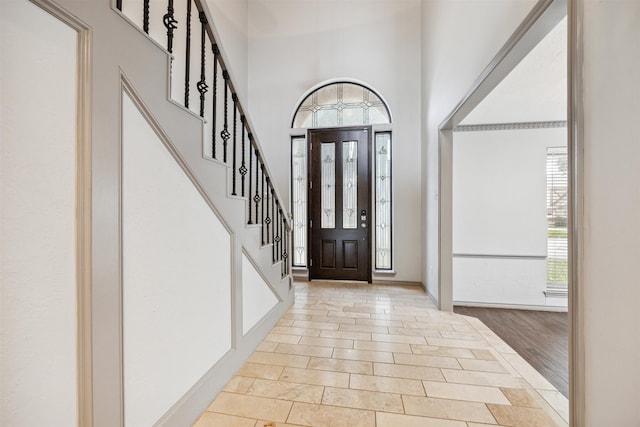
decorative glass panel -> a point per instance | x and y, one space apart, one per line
325 118
305 118
341 104
352 93
328 182
350 184
557 213
327 95
383 201
299 199
352 116
378 115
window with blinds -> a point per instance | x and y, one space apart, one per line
557 216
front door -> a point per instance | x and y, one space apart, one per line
339 204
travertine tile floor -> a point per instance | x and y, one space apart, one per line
352 354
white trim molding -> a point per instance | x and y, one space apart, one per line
511 126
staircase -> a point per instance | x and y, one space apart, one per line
175 73
200 82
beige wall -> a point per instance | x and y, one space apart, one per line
611 230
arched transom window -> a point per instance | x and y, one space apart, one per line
341 104
334 105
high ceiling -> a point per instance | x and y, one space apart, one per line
536 89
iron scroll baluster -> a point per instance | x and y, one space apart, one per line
170 23
266 220
216 52
234 97
188 56
225 132
202 84
256 198
145 16
243 167
250 181
273 214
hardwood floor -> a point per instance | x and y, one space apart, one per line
540 337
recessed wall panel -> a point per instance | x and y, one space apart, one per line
176 290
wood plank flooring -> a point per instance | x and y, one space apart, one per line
540 337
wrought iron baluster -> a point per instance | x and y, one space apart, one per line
278 231
273 241
188 56
266 220
243 167
119 5
225 132
265 202
250 181
145 16
285 254
281 233
216 52
256 198
202 84
234 97
170 24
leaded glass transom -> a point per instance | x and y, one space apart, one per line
341 104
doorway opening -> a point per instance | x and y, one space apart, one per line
544 256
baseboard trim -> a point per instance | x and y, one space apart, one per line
188 409
510 306
433 299
396 283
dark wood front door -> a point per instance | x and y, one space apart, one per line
339 204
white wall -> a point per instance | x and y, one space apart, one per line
499 191
38 310
456 46
295 45
257 297
499 211
230 20
176 277
611 230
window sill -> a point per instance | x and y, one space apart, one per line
556 292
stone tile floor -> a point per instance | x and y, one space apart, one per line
354 354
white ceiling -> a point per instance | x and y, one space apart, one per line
536 89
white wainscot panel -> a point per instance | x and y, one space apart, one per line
176 277
257 297
500 281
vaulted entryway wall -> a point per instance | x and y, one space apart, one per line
296 46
